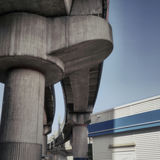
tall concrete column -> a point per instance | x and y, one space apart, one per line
44 145
80 142
22 116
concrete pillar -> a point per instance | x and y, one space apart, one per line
80 142
22 116
44 145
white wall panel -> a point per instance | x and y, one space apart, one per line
147 146
147 142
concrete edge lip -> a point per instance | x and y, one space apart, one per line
50 68
73 30
89 54
80 45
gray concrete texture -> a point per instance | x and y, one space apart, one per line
80 88
82 78
22 115
39 46
23 44
41 7
20 151
87 7
57 155
77 36
29 40
80 142
44 145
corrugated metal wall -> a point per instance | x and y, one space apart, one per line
100 148
147 145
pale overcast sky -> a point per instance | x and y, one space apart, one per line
131 72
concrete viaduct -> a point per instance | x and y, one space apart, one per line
43 42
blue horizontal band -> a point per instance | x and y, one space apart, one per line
128 123
80 158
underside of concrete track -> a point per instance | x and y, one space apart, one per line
41 43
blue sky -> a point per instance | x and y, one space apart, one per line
131 72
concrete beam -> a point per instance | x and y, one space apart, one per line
80 89
41 7
76 44
23 45
28 40
22 116
87 7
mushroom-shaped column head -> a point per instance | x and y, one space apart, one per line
23 45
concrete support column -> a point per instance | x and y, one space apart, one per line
80 142
44 145
22 116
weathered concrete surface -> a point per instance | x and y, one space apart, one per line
20 151
42 7
78 47
57 154
56 47
23 34
87 7
80 90
27 40
22 115
87 54
79 141
23 44
44 145
78 118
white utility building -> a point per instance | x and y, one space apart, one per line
129 132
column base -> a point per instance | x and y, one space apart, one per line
20 151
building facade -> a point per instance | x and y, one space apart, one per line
129 132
